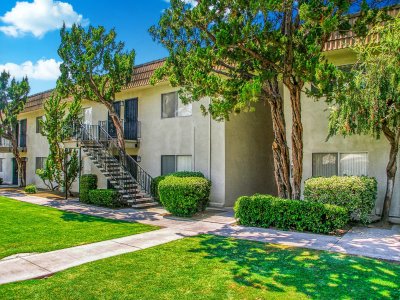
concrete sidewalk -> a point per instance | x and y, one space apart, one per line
369 242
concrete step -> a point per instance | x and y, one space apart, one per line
144 205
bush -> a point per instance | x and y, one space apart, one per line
108 198
357 194
157 180
184 196
87 182
1 180
31 189
267 211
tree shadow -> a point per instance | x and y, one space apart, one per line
317 274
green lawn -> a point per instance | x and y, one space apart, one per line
32 228
210 267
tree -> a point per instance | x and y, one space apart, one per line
62 164
13 96
237 53
367 99
95 68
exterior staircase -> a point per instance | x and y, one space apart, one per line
121 170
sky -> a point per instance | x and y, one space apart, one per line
29 32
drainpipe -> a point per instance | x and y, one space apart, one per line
209 143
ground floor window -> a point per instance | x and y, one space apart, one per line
40 161
1 164
175 163
342 164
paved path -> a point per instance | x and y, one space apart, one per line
370 242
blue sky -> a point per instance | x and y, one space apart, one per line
29 37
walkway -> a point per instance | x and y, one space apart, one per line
370 242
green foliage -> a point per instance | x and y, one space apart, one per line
267 211
158 179
62 164
184 196
1 180
356 194
107 198
13 97
87 183
95 67
31 189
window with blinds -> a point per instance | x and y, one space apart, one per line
324 164
172 107
40 161
353 164
175 163
342 164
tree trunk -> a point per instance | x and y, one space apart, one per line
280 149
118 126
391 170
297 139
18 160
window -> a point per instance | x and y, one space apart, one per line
39 126
40 162
342 164
1 164
172 107
175 163
324 164
355 164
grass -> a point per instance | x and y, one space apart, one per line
32 228
210 267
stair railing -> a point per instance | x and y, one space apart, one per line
99 135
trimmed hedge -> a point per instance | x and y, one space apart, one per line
106 197
157 180
184 196
87 182
268 211
357 194
31 189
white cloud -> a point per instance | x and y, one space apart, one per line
39 17
193 3
42 70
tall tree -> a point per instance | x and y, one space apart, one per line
237 52
13 96
366 100
95 67
62 164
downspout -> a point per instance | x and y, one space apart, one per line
209 143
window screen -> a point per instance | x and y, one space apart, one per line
40 161
39 124
169 105
324 164
168 164
353 164
175 163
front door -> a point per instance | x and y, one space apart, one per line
131 116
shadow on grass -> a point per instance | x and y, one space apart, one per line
317 274
80 217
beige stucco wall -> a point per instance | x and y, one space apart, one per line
6 173
315 125
249 166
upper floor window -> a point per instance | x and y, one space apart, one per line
342 164
172 107
39 125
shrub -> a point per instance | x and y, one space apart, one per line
267 211
157 180
1 180
184 196
31 189
108 198
357 194
87 182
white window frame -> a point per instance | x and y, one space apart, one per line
176 162
339 155
178 107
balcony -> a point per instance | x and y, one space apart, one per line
132 131
5 146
